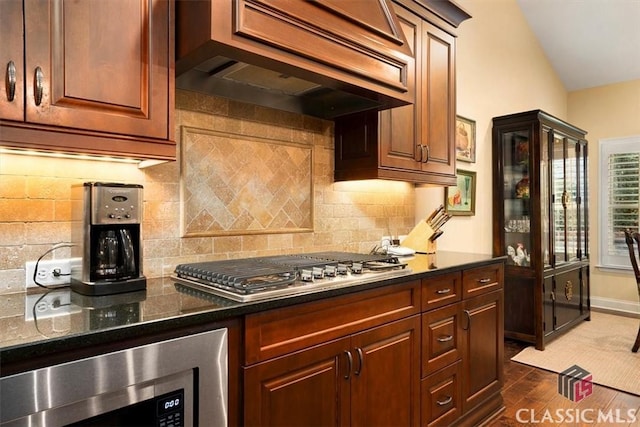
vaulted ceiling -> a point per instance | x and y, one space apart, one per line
588 42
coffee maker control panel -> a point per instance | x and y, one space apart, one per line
121 204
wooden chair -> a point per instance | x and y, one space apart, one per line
630 236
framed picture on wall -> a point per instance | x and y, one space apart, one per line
460 199
465 139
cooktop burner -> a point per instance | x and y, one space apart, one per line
252 279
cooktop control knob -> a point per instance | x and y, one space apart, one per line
330 271
306 275
356 268
343 269
318 273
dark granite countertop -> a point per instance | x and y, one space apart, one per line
36 325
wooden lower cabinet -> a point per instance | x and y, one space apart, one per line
305 388
427 352
483 349
441 396
463 347
366 379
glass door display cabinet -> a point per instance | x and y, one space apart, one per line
540 224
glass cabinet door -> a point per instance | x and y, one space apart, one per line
545 205
565 199
516 196
572 194
583 232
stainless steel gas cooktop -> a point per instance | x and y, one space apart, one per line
255 279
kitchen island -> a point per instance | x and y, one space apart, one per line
448 306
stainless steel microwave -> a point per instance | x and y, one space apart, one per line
180 382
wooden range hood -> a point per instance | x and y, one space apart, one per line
324 58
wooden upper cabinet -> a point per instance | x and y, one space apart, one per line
98 72
438 99
104 65
420 137
416 142
11 61
399 129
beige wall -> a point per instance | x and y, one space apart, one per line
501 69
351 216
606 112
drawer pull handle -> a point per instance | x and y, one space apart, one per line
444 402
485 280
38 86
445 338
350 360
443 291
360 360
11 81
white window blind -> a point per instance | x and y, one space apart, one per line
619 198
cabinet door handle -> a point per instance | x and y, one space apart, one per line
443 291
360 360
467 314
10 81
350 366
426 149
38 86
444 402
445 338
420 150
485 280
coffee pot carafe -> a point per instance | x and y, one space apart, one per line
107 240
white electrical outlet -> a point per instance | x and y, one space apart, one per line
53 272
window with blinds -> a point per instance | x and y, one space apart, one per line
619 198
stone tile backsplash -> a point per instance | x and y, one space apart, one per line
352 216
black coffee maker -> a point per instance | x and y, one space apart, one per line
106 222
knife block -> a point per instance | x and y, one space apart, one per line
418 239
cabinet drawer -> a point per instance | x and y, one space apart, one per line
441 290
441 338
441 396
276 332
481 280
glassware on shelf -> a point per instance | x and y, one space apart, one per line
522 225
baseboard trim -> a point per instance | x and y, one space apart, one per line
616 306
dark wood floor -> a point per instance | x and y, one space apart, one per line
531 395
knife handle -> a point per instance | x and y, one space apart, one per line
434 213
